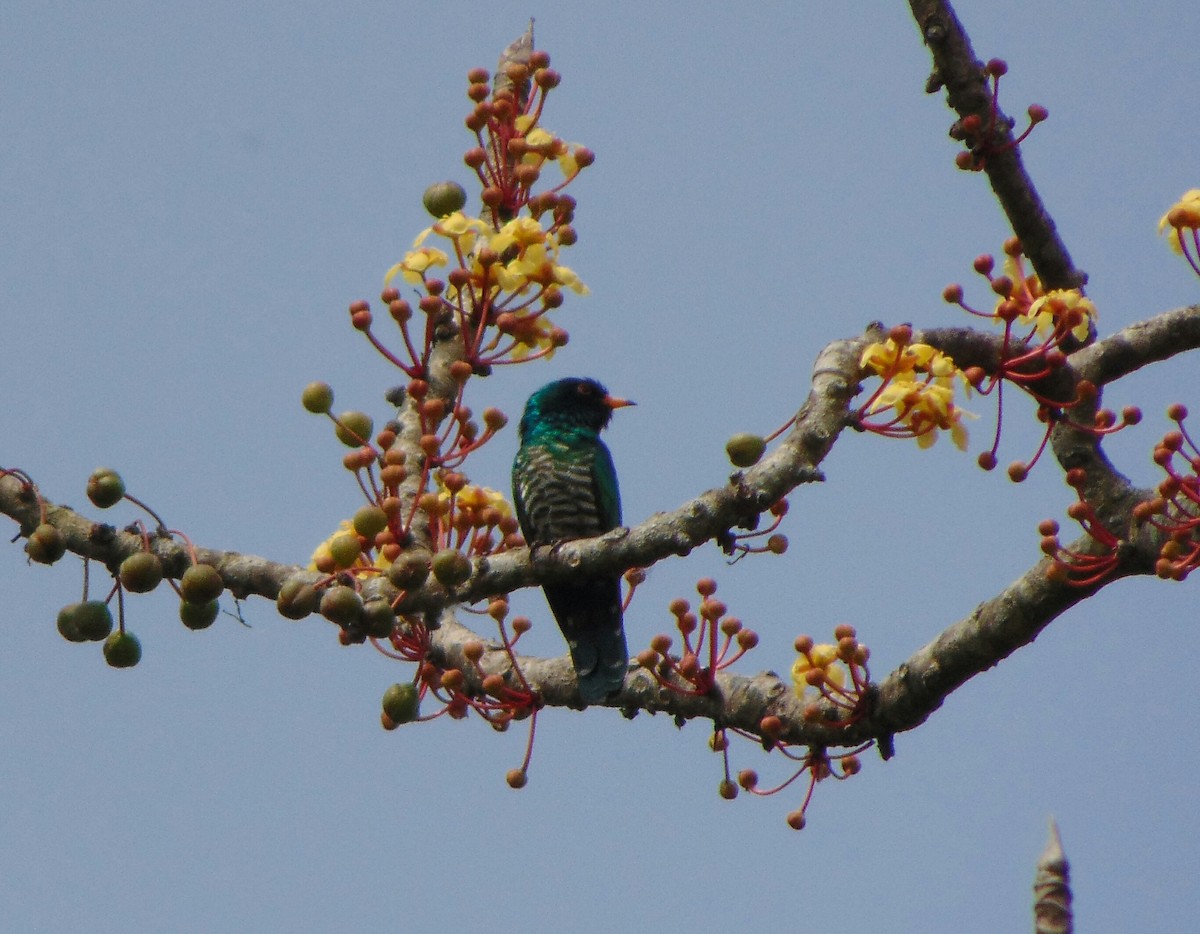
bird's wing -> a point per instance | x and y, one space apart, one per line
604 485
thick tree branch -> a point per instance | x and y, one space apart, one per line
1159 338
738 503
1105 361
905 698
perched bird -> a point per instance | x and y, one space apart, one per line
564 487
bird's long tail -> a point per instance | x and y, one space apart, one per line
589 615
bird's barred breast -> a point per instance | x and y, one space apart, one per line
559 497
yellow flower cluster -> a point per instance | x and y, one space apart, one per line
506 270
919 385
1044 312
517 258
822 657
541 144
474 507
1061 305
1184 215
472 500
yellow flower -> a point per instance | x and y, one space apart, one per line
415 263
919 385
1046 312
476 497
1184 215
567 163
925 408
463 231
565 276
533 334
1025 287
535 260
536 264
520 232
823 657
457 227
540 144
892 359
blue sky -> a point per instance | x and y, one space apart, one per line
190 196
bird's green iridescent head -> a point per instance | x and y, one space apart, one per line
566 404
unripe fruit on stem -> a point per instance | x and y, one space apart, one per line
198 616
451 567
297 599
745 449
342 605
93 620
317 398
141 572
443 198
122 650
105 487
400 703
378 620
201 583
45 544
409 571
67 624
354 428
344 549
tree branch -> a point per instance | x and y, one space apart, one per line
958 70
905 698
1158 338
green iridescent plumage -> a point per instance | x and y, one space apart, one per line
565 487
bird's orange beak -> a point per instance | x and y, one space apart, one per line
614 403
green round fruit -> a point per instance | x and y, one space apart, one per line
105 487
442 198
198 615
45 544
401 703
744 449
354 429
344 549
369 521
122 650
378 619
201 583
297 599
410 570
68 623
451 567
342 605
93 620
141 572
317 398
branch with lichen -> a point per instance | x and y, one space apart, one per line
905 698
